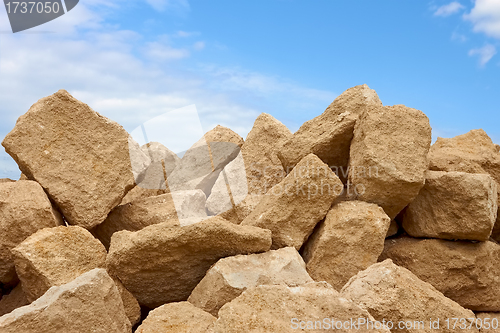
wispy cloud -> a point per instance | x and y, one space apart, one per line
131 78
459 37
484 53
162 5
449 9
485 16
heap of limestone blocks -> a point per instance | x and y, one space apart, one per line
355 219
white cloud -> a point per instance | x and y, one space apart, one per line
162 5
449 9
484 53
485 16
459 37
107 68
198 46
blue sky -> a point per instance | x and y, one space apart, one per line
134 60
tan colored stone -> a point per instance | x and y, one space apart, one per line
230 188
282 309
388 156
395 294
247 206
453 205
229 277
349 240
163 162
81 159
292 208
171 208
472 152
329 135
488 322
140 193
161 264
260 151
16 299
393 229
466 272
201 164
6 180
130 304
182 317
23 177
90 303
55 256
24 209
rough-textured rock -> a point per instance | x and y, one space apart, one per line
90 303
140 193
388 156
81 159
292 208
163 162
55 256
393 229
230 188
229 277
182 317
6 180
23 177
24 209
488 322
453 205
14 300
201 164
473 152
260 151
130 304
349 240
172 208
393 293
466 272
329 135
161 264
247 206
283 309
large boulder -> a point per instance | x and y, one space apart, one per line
466 272
229 189
388 156
349 240
229 277
55 256
314 307
293 207
263 168
24 209
81 159
394 294
201 164
90 303
472 152
173 208
182 317
163 162
453 205
161 264
329 135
